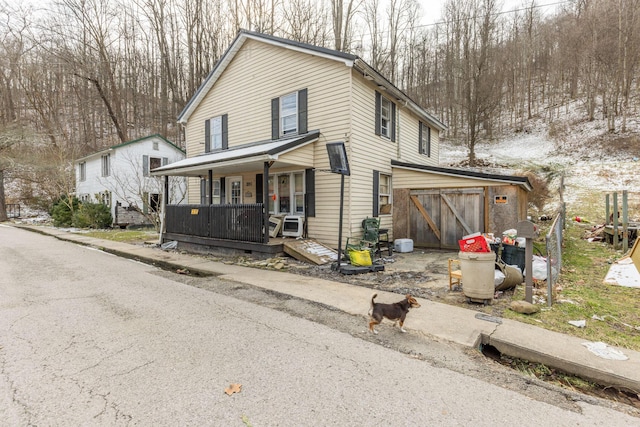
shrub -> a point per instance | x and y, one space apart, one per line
540 194
62 211
92 215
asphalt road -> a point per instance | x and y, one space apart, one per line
87 338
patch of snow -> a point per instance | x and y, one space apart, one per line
580 150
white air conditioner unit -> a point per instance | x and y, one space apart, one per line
292 226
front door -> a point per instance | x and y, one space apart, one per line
234 190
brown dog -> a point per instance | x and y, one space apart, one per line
396 311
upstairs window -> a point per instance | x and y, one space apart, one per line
106 165
216 133
289 114
424 136
149 163
385 125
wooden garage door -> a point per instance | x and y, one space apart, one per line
439 218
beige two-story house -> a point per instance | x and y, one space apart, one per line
256 136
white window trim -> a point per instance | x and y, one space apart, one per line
388 195
282 116
105 162
385 131
215 135
425 142
292 191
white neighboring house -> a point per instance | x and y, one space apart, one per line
119 177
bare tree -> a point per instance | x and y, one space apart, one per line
306 21
343 16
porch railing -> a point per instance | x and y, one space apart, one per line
243 222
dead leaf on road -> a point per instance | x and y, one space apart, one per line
233 388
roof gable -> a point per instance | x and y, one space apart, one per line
352 61
134 141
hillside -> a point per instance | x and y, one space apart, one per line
593 161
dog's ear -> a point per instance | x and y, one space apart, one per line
408 296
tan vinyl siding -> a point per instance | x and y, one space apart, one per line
259 73
301 156
409 132
368 152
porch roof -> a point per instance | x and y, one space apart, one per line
243 158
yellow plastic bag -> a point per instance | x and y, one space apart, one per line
360 258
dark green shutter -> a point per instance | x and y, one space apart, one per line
259 190
203 191
310 192
420 150
428 141
225 131
393 122
378 112
222 190
207 136
165 161
376 193
275 118
302 111
145 165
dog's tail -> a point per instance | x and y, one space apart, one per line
372 302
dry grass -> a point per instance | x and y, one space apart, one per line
581 295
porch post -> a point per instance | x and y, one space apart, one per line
210 178
166 190
265 201
163 210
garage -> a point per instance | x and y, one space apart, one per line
436 206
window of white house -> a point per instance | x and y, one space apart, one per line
425 139
154 162
289 113
385 117
106 165
156 147
84 198
216 133
286 193
384 194
83 171
154 202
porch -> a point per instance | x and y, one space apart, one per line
221 228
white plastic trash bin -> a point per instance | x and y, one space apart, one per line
478 277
